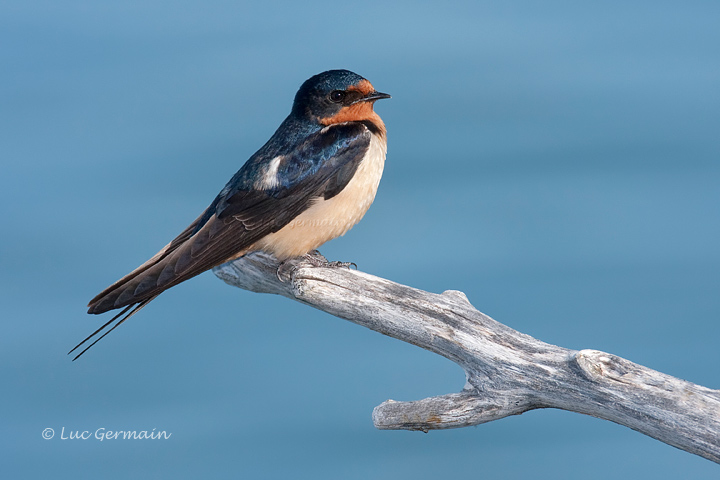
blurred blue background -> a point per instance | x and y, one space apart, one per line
559 162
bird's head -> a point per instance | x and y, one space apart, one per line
336 96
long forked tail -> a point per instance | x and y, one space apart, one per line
138 288
207 242
130 310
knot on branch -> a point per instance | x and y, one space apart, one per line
458 295
601 366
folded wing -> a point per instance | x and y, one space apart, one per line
321 166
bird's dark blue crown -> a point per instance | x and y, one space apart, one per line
318 86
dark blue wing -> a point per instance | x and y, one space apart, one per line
310 162
243 213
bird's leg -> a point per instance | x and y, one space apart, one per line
316 259
313 258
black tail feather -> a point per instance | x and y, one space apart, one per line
134 308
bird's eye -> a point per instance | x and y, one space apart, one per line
337 96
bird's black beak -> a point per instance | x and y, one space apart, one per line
372 96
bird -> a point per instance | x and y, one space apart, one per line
312 181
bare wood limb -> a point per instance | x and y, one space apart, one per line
507 372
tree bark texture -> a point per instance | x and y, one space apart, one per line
507 372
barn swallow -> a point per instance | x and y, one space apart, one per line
311 182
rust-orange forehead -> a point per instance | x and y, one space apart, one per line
363 86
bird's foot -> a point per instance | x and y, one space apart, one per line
316 259
313 259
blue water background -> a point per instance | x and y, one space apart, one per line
559 162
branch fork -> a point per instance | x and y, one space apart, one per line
508 372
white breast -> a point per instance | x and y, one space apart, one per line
327 219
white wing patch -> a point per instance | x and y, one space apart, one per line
269 179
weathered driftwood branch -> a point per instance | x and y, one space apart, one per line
507 372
